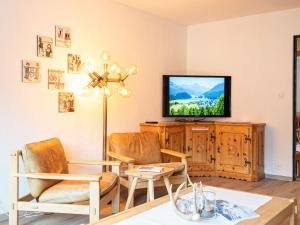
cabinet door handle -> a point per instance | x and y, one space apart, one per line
212 138
247 139
247 162
190 149
212 159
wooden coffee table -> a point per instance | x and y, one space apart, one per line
274 212
150 177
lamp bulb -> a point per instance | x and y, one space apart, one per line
124 92
115 68
107 91
105 56
132 70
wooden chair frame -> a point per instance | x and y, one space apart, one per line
174 179
92 208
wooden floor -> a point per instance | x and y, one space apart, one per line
266 186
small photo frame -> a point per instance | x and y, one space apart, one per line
31 71
74 63
65 102
56 79
63 37
44 46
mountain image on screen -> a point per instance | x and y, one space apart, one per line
196 96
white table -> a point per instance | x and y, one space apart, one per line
272 210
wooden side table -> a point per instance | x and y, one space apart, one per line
150 177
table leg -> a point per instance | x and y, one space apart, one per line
148 195
167 183
293 216
151 189
292 219
131 192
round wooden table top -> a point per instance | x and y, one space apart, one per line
166 171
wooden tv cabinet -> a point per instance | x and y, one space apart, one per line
225 149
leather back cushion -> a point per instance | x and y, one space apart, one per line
143 147
44 157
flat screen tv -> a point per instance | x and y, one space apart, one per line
196 96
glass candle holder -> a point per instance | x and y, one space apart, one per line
208 206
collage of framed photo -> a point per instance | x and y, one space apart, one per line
31 69
65 102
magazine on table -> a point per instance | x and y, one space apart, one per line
153 169
233 212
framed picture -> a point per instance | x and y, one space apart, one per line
65 102
45 46
63 36
74 63
56 79
31 71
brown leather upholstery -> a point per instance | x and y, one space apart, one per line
76 191
44 157
143 147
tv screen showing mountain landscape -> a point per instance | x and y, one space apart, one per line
196 96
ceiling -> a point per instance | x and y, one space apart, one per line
200 11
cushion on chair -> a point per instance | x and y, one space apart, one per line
77 191
143 147
44 157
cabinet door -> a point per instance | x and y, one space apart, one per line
200 144
174 140
233 149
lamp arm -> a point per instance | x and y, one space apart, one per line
125 77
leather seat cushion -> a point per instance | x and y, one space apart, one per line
143 147
77 191
44 157
177 166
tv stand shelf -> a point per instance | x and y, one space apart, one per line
225 149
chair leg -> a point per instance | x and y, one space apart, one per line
14 190
130 179
116 201
131 193
94 201
13 214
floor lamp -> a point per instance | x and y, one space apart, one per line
111 74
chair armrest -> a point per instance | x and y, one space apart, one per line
120 157
175 153
95 162
59 176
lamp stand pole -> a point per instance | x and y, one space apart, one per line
104 145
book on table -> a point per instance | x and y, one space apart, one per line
152 169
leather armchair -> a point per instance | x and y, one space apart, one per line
55 189
134 149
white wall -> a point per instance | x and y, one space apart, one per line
29 112
257 51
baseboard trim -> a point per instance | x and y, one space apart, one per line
277 177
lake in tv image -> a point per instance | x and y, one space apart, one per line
196 96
